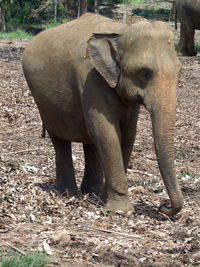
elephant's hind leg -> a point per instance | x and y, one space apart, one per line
65 178
93 176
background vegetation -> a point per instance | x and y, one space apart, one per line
27 12
14 259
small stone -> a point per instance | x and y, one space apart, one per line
196 256
60 236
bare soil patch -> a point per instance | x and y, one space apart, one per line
78 232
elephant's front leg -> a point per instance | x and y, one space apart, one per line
107 138
128 134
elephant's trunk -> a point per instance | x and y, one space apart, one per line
163 116
163 132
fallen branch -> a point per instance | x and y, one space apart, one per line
113 232
22 151
16 249
154 159
141 172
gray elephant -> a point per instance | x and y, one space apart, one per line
88 78
188 12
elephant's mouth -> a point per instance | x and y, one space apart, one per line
128 99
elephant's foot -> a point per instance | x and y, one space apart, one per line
91 188
168 209
66 190
192 53
185 53
120 205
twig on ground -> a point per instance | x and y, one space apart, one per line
112 232
141 172
16 249
22 151
153 159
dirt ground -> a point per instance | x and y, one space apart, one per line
77 232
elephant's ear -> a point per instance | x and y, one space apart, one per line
102 52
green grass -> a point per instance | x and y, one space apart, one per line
54 23
37 259
18 34
135 2
186 175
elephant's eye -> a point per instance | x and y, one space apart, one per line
142 77
145 74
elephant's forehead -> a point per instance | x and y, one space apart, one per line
152 31
147 44
150 51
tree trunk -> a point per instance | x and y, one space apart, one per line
55 7
127 2
83 6
96 6
70 7
2 17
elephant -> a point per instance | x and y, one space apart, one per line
89 78
188 12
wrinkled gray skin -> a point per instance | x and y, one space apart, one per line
188 13
89 78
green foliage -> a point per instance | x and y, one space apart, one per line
52 24
197 46
30 260
45 13
186 175
135 2
152 13
27 12
17 15
18 12
131 2
18 34
6 2
91 2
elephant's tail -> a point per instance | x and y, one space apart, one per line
43 131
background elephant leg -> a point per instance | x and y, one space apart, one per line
65 178
93 176
128 136
182 45
190 44
186 43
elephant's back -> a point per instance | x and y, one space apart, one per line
71 34
59 45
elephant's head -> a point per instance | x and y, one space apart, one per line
142 66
